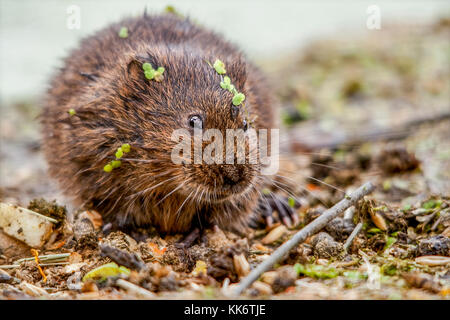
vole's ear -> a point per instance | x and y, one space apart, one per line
134 70
236 69
135 67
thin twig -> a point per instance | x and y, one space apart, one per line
312 228
137 291
353 235
60 257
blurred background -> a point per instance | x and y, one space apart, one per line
35 37
341 84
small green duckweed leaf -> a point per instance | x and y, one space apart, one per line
116 163
72 112
149 74
238 98
219 66
119 153
152 74
126 147
266 191
160 70
123 33
147 66
108 168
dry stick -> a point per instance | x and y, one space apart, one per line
353 235
302 235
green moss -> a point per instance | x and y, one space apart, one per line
316 271
431 204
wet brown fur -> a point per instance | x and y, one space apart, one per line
103 81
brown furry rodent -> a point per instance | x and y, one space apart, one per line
114 103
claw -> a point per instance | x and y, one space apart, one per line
284 206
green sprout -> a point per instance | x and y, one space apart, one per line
123 33
219 66
125 148
72 112
238 98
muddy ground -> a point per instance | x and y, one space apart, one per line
354 109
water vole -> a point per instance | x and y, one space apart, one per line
101 99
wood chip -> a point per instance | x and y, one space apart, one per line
25 225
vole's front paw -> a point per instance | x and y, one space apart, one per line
285 208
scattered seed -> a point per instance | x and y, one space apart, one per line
274 234
433 261
241 265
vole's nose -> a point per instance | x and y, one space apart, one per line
231 175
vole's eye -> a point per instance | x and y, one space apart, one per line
245 125
196 122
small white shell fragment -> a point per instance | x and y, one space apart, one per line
25 225
274 234
433 260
